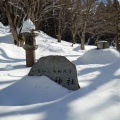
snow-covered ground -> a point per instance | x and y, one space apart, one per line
24 97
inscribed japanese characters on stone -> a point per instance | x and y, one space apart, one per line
58 69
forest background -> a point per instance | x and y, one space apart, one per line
76 21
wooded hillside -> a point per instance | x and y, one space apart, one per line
70 20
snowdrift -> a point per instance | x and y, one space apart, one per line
31 90
104 56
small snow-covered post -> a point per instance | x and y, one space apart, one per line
30 47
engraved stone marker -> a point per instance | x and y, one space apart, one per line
58 69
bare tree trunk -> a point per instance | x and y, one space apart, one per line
59 37
73 38
83 36
117 6
118 29
12 27
59 27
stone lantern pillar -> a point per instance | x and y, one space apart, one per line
30 47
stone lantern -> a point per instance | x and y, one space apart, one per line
30 47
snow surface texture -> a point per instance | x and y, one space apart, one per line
38 98
3 29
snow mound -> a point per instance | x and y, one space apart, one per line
44 37
27 26
32 90
55 49
9 67
104 56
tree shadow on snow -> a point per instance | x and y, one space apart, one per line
31 90
7 39
10 67
59 109
7 82
7 58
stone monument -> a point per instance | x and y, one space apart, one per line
58 69
102 44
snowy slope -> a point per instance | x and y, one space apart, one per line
39 98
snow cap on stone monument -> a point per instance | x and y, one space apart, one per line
28 25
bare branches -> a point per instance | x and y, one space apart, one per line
74 17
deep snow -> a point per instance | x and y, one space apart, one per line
38 98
